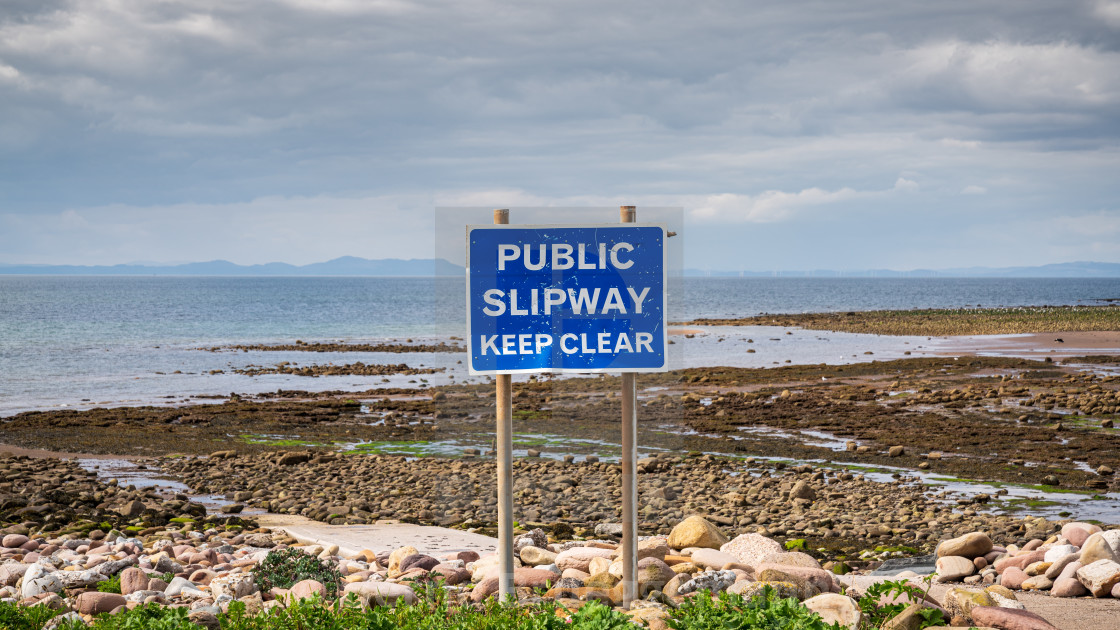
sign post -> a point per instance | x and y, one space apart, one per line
562 299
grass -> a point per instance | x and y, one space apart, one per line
944 322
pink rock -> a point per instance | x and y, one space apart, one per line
1013 578
465 556
981 563
1076 533
92 602
307 588
1068 587
1032 545
1020 561
132 580
202 576
534 578
1116 591
484 589
1008 619
31 545
452 575
14 541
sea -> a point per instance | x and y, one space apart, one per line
89 341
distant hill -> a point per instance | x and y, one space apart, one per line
344 266
1057 270
354 266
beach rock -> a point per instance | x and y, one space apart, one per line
652 618
131 509
204 619
909 619
534 556
14 541
237 585
381 593
960 602
1020 561
713 581
1099 577
1009 619
132 580
695 531
954 568
307 588
1101 546
820 579
1068 587
1013 578
1037 583
652 548
580 557
971 545
653 575
712 558
604 580
749 590
834 608
418 561
1077 533
1056 569
397 557
452 575
1057 552
802 490
751 549
11 572
792 559
92 602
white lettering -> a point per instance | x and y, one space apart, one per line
564 343
540 261
553 297
604 340
513 310
488 342
543 341
583 344
493 297
614 300
583 300
602 255
566 256
535 308
614 256
507 344
583 264
507 253
638 298
524 344
623 341
645 339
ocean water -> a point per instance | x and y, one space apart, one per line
102 340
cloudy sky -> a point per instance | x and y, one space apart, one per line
795 135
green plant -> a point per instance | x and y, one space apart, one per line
16 617
285 567
875 615
732 612
147 617
112 585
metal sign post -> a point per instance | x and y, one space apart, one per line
567 298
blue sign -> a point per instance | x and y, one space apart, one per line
566 298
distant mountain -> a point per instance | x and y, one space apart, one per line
1057 270
344 266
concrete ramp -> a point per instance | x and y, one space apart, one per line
352 539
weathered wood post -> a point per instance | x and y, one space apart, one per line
504 404
628 214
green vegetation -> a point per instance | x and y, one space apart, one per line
435 612
731 611
876 615
944 322
252 438
797 543
286 567
415 448
112 585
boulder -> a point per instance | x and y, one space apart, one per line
397 556
1101 546
418 561
1020 561
1099 577
14 541
1077 533
960 602
1056 569
653 575
132 580
1009 619
235 585
822 580
304 589
580 557
954 568
535 556
971 545
1057 552
909 619
695 531
802 490
835 608
712 558
1037 583
1013 578
1068 587
92 602
751 549
792 559
381 593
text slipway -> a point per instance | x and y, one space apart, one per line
582 300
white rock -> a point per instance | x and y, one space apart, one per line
1099 577
953 568
237 585
176 586
1057 552
834 608
49 583
712 558
750 549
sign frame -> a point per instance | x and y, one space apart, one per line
664 367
